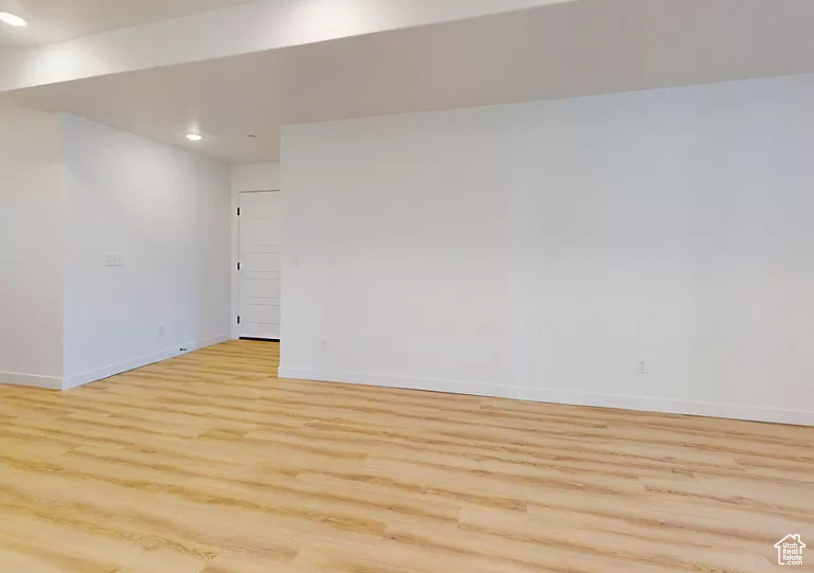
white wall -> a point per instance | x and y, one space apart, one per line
247 178
255 177
31 249
167 212
539 251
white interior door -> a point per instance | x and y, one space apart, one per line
259 265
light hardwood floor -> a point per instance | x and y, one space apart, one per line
207 463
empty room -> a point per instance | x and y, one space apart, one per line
406 286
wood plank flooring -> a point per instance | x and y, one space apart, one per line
209 464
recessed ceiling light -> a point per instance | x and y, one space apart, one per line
194 136
12 20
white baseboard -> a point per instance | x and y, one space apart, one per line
113 369
31 380
641 403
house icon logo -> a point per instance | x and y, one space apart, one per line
790 550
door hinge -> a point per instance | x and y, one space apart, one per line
238 320
238 211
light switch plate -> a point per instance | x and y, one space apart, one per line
115 260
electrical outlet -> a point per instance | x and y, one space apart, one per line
324 346
641 367
114 260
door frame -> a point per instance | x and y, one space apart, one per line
235 274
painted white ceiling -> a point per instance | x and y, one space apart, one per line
58 20
233 31
578 48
